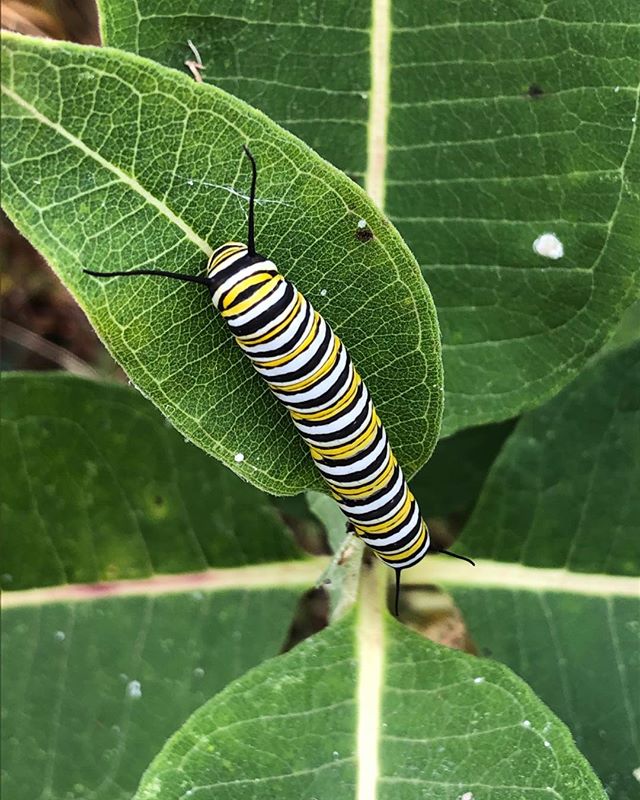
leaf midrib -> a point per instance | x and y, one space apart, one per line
125 178
504 575
370 646
261 576
377 145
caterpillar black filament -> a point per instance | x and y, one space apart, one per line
309 369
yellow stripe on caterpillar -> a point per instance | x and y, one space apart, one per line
249 341
247 283
229 249
314 377
256 297
278 362
352 448
387 525
369 488
405 553
333 411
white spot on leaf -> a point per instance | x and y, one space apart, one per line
238 458
479 679
549 246
134 689
59 636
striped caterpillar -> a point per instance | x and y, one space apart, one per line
309 370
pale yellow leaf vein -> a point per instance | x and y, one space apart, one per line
126 179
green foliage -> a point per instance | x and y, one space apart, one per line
562 493
453 477
579 653
97 486
341 578
505 121
91 690
450 724
490 124
112 162
167 637
628 330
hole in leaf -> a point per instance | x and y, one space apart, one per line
364 234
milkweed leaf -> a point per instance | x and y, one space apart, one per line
139 577
493 124
112 162
555 535
407 717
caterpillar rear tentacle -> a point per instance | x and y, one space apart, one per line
310 371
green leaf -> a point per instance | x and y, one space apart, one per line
91 690
111 162
628 330
102 497
96 486
369 709
561 502
574 637
563 491
328 512
476 127
452 479
579 653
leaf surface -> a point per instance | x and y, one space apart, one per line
450 482
91 690
579 653
114 162
562 492
555 593
407 717
119 494
104 652
477 127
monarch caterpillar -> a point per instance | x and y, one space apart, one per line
308 369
